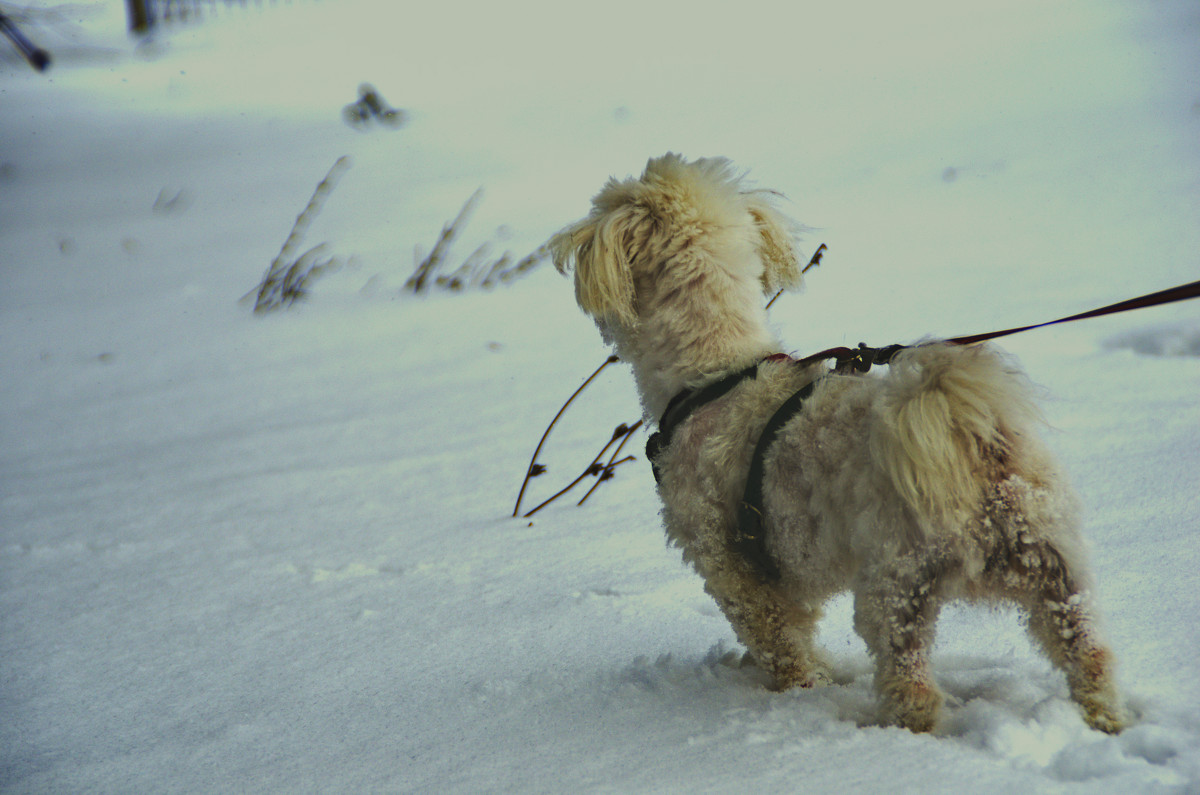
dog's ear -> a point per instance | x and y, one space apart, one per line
599 247
776 248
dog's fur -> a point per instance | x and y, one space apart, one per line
923 485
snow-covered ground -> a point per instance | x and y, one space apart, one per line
274 553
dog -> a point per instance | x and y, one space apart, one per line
909 489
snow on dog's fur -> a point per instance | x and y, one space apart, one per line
921 485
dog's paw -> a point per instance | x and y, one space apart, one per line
913 705
1103 716
1095 693
799 676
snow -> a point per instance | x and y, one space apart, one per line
274 553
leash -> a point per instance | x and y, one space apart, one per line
862 358
1181 293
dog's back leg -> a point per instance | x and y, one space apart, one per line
895 611
1059 620
1031 569
779 633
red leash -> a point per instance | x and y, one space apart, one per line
1180 293
862 357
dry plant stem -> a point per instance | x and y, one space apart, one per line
269 289
466 274
450 231
529 472
526 263
310 211
594 468
812 263
613 463
478 270
305 270
494 271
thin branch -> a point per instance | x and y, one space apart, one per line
612 462
812 263
594 468
533 464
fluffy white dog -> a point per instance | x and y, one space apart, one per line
923 485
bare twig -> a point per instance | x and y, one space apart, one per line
604 472
613 463
465 274
812 263
535 468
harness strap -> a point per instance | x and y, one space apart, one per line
682 406
750 540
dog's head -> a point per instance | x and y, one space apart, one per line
679 225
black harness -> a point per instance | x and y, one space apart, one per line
749 539
684 404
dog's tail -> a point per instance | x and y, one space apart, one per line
945 423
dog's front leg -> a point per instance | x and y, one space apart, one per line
895 612
778 632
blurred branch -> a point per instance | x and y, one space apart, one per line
287 280
38 58
478 269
